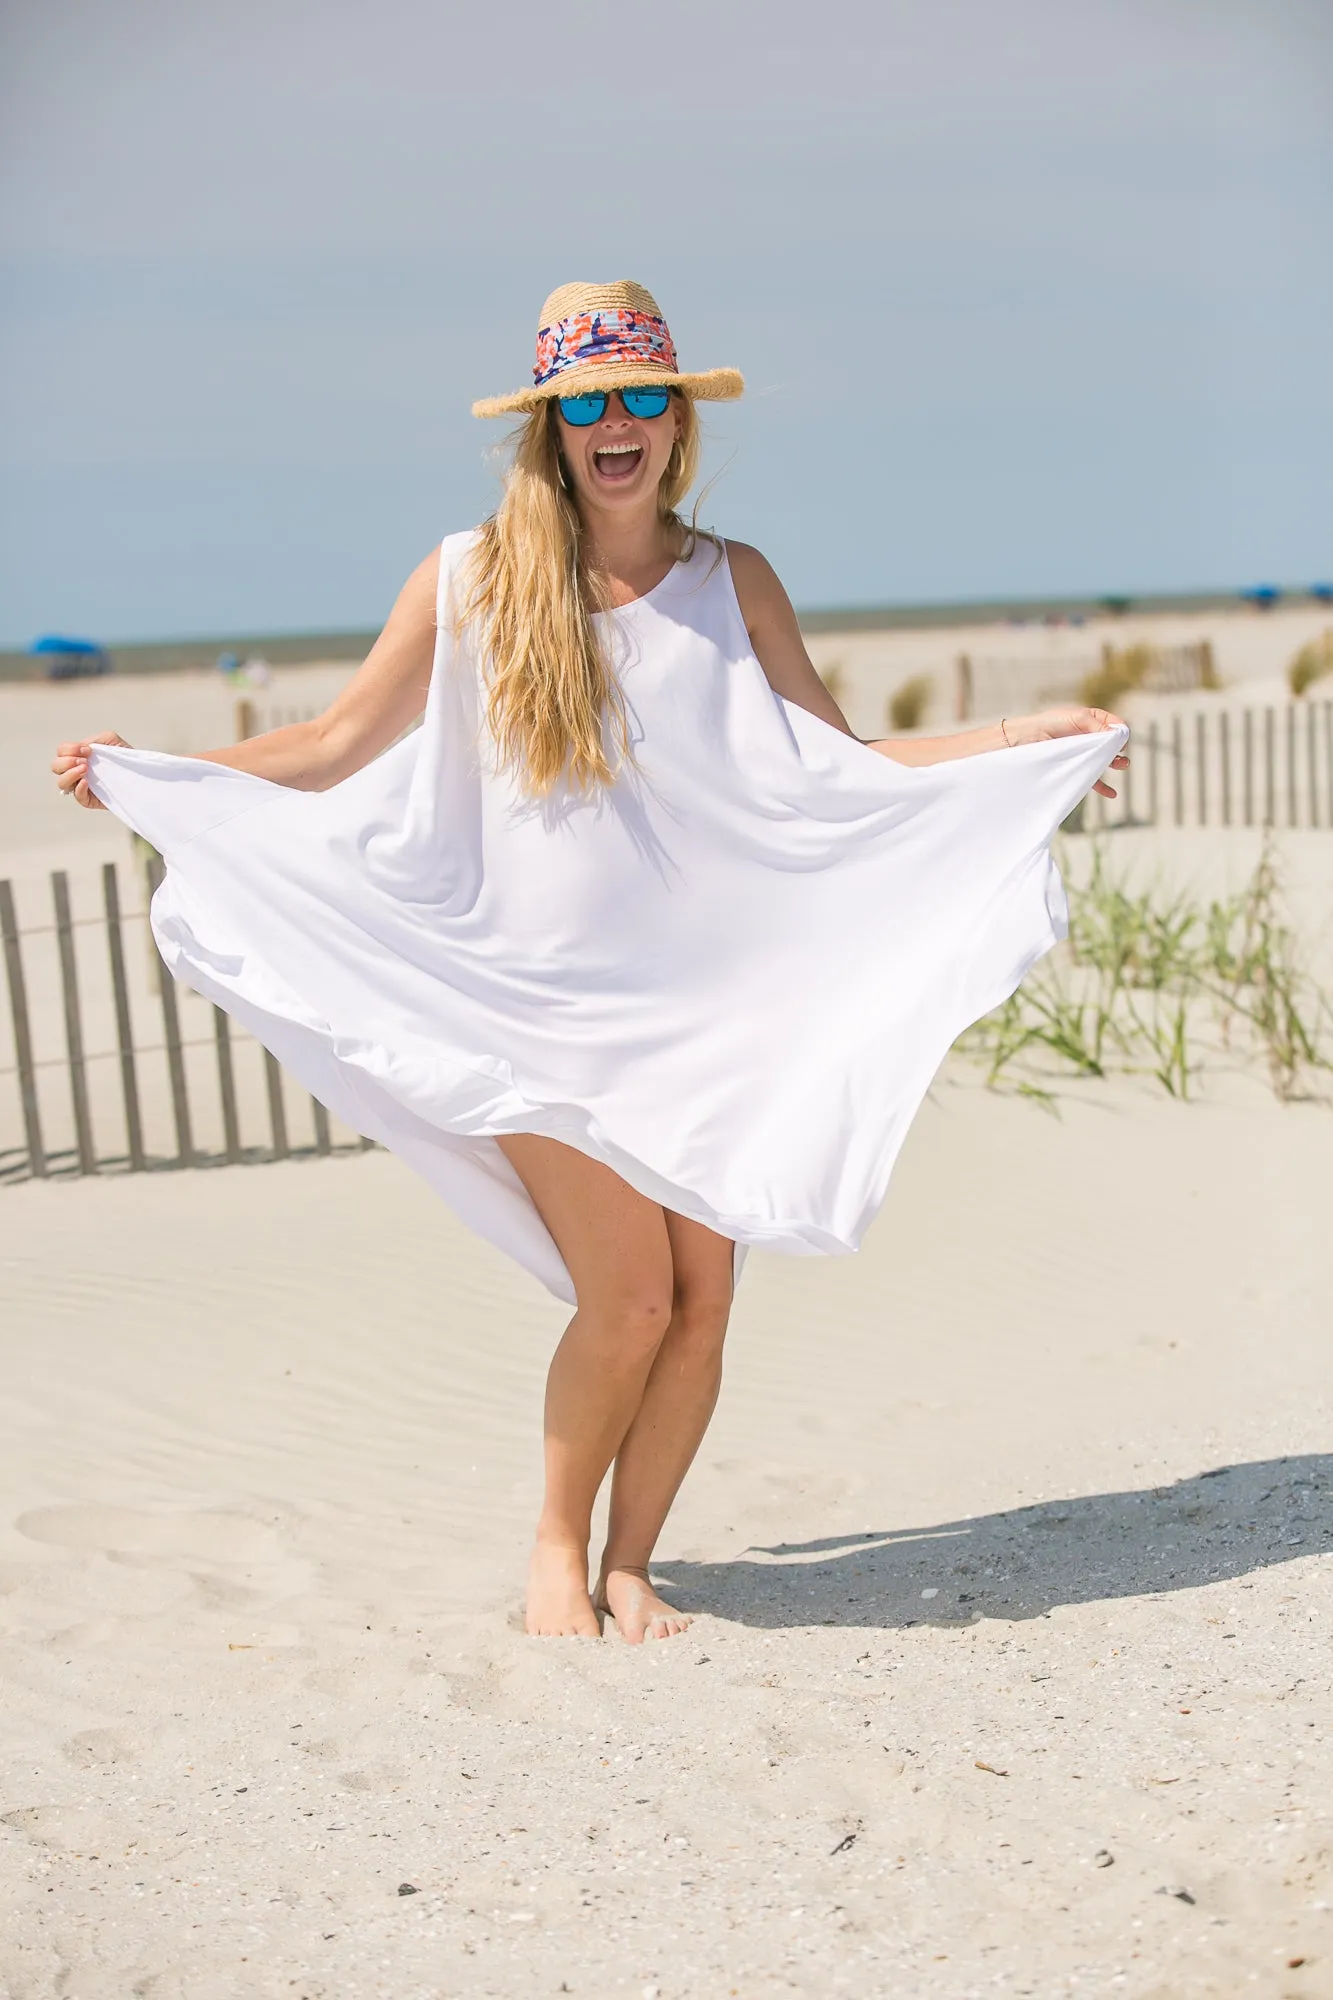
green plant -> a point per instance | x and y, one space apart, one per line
1124 670
1312 663
1152 983
908 703
1120 672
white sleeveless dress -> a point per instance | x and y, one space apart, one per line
731 977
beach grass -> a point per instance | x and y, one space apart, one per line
1311 663
907 704
1154 982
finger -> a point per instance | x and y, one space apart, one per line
1106 790
72 777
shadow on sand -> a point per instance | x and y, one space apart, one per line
1228 1522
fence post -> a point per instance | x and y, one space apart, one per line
323 1137
247 721
962 688
1153 752
1178 770
277 1114
231 1124
1247 733
1224 730
180 1102
18 1008
1328 756
1270 768
129 1082
1312 763
1201 766
1291 765
69 991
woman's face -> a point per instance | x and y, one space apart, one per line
618 461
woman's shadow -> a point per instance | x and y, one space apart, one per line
1227 1522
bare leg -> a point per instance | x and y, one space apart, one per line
661 1442
617 1250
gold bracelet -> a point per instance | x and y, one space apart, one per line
1005 733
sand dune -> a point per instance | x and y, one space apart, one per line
1011 1551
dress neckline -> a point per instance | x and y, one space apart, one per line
646 596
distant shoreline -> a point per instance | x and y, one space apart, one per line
293 648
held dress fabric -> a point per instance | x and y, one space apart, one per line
730 977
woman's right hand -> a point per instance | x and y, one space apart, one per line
70 765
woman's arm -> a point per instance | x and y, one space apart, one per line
776 636
387 692
780 650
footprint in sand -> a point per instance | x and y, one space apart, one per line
92 1747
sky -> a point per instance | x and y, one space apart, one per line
1033 297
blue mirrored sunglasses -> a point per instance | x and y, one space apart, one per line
582 410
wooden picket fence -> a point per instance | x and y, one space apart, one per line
143 1078
165 1079
1226 767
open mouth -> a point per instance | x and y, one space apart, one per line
616 462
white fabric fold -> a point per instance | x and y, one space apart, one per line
731 977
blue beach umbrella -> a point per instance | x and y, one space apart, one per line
70 659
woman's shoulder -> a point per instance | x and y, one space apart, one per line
758 586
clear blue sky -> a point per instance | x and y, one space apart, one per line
1033 296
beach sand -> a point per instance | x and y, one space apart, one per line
1011 1549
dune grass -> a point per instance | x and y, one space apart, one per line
1311 664
907 704
1152 982
1125 669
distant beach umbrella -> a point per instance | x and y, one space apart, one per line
69 659
1322 592
1263 596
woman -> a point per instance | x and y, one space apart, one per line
632 949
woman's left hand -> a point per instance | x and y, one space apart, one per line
1053 722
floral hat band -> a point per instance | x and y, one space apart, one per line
604 337
619 334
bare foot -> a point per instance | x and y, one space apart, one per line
559 1606
636 1607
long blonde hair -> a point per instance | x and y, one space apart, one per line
553 701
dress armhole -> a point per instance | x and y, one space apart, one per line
454 549
733 599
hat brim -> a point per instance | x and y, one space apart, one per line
716 385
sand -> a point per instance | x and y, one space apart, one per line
1011 1553
1012 1549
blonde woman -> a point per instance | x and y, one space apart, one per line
632 949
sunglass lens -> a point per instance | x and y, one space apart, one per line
645 402
582 410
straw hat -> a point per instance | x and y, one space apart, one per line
593 337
